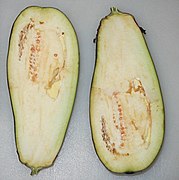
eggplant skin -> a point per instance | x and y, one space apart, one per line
104 84
39 146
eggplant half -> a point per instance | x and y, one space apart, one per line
43 63
126 106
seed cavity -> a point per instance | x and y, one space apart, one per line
129 122
45 63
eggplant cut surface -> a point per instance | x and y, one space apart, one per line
126 106
43 63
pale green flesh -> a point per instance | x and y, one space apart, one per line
42 73
126 108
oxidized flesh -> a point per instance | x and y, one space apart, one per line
44 63
126 127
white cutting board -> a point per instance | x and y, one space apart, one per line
77 159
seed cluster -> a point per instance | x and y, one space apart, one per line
111 146
23 36
121 127
33 59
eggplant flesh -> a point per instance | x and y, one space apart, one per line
43 63
126 106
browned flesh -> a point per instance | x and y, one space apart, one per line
44 53
126 127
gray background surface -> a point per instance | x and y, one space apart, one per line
77 159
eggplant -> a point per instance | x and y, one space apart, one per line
43 67
126 105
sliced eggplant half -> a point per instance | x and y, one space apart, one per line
43 63
126 106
